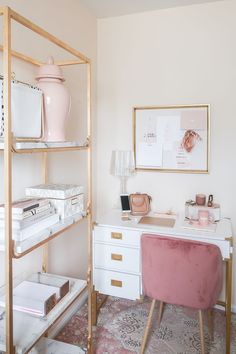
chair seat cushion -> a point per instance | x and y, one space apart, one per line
181 272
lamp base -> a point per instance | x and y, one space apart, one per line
123 189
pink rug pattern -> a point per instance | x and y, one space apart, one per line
121 324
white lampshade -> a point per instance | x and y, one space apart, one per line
122 163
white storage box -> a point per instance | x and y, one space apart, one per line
26 108
68 199
51 280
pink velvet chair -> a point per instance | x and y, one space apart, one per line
180 272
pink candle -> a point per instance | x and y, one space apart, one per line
200 199
203 217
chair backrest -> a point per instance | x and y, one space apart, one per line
181 272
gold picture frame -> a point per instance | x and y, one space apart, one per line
172 138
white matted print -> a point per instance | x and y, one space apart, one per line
173 138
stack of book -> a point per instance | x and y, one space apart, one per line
29 216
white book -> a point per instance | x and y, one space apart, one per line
22 205
28 214
22 224
33 298
20 235
30 306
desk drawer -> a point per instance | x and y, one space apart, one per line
117 236
117 284
117 258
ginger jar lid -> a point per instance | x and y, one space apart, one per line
50 70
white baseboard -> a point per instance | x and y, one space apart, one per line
67 316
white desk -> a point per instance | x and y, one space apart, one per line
116 255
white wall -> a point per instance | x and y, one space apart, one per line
168 57
70 21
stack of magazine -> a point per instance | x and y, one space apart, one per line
29 216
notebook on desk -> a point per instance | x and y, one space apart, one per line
157 221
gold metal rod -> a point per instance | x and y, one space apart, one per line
23 57
45 179
8 177
94 305
69 62
20 255
45 167
196 105
228 303
30 151
22 20
102 302
90 216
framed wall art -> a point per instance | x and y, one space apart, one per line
172 138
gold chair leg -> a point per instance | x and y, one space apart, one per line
210 324
149 321
160 313
201 332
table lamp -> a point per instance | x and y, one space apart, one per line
122 165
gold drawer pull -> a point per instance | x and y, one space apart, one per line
116 235
117 283
116 257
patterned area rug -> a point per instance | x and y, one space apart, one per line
121 324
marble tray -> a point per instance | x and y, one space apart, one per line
28 329
50 346
43 145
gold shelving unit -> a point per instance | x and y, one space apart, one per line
9 16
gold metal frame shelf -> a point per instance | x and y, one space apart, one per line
9 148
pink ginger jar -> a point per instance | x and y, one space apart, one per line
56 100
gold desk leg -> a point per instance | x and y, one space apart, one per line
94 307
90 346
228 303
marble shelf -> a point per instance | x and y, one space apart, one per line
28 329
39 146
50 346
22 247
